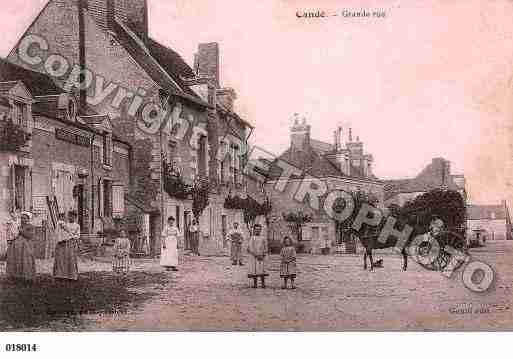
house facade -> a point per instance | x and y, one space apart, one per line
342 165
59 168
491 221
177 119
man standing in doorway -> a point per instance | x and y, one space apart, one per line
236 239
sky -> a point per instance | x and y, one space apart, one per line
430 79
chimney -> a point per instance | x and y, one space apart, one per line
338 138
300 134
136 17
206 61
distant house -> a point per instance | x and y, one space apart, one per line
434 176
493 220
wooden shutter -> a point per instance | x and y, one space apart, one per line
12 188
118 200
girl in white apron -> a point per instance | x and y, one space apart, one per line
169 254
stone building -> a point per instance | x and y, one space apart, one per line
174 117
71 161
435 175
318 168
492 221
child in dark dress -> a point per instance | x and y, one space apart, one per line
288 263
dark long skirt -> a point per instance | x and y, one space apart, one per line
194 241
21 261
65 264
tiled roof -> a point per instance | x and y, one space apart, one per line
308 161
153 68
38 84
475 212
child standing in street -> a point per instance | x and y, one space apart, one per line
288 263
121 260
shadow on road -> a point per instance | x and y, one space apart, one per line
43 304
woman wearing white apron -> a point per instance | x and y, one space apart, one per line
169 254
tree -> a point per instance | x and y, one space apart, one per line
250 207
446 204
295 221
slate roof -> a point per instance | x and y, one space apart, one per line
476 212
38 84
143 56
171 61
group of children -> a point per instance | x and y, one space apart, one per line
288 269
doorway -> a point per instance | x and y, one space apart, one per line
78 194
154 235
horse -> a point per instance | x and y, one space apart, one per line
370 242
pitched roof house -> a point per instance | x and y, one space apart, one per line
110 38
435 175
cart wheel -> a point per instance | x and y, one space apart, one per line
445 238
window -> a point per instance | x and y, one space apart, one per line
202 156
107 149
18 112
19 188
235 163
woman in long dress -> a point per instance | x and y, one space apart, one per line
169 254
21 261
65 264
